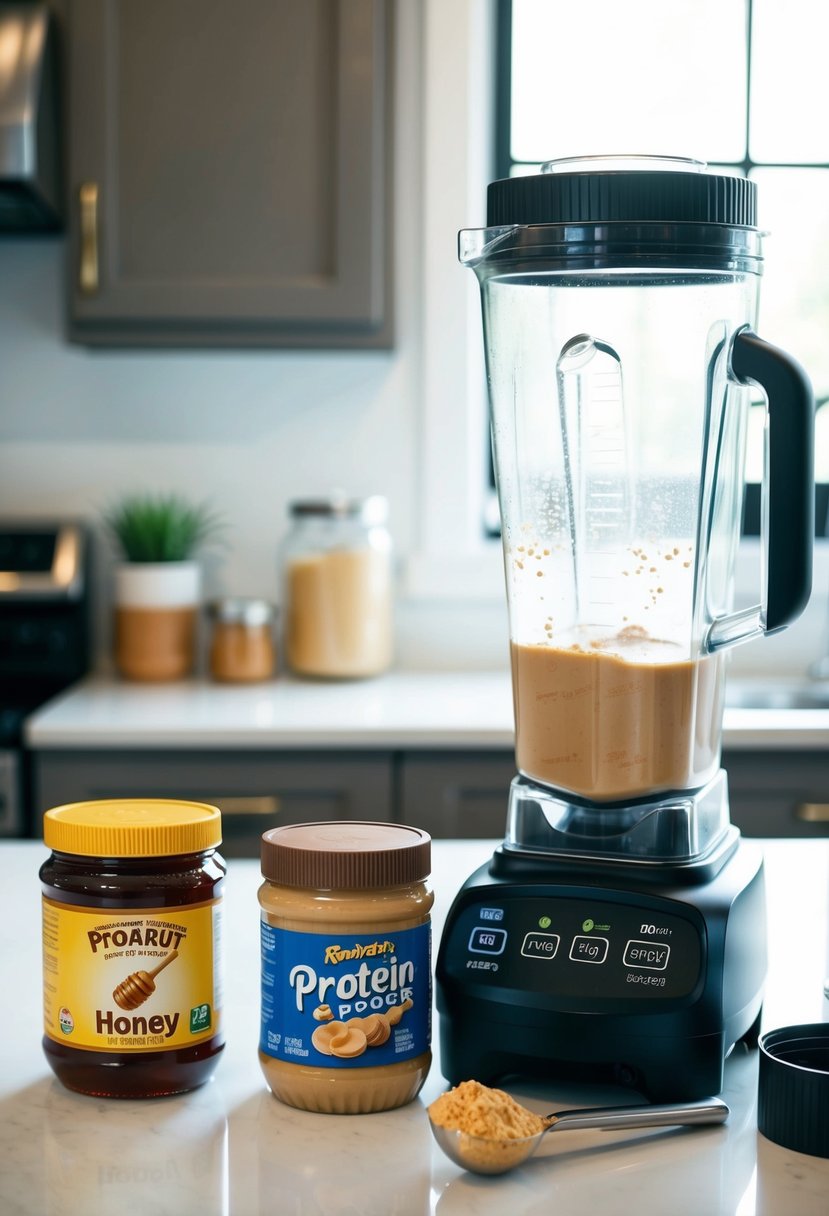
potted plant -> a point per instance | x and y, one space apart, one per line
158 584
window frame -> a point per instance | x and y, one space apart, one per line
504 164
452 559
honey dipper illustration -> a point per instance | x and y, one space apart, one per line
138 987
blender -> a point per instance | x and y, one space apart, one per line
618 932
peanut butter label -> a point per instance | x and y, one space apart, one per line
345 1000
145 980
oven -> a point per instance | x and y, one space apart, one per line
44 642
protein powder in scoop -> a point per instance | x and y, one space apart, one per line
346 965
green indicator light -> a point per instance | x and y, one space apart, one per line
544 922
587 925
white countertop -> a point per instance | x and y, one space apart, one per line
230 1149
398 710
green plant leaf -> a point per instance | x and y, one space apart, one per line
163 528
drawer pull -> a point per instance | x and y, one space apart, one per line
88 278
264 804
812 812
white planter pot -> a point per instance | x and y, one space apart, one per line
156 612
158 584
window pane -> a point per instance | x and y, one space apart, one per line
788 81
794 295
754 449
616 76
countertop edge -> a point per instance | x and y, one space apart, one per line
469 711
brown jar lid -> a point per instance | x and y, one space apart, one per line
346 855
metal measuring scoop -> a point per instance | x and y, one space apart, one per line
482 1155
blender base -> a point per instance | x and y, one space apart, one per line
640 975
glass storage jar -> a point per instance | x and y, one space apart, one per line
337 588
241 647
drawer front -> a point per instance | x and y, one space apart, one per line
464 794
254 791
460 794
779 793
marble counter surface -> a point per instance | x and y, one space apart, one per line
230 1149
400 710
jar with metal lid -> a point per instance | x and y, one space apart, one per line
346 965
132 896
241 647
337 588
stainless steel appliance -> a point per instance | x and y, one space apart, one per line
621 923
44 641
30 170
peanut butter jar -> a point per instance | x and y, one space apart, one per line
132 902
346 965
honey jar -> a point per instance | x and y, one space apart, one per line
346 974
132 899
242 647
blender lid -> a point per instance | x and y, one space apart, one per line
793 1094
632 189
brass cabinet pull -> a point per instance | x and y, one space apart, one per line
88 278
255 805
812 812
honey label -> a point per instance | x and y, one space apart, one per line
143 980
345 1000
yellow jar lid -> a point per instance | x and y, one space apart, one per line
132 827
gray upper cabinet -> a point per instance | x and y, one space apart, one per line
230 173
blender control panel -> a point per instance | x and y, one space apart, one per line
575 947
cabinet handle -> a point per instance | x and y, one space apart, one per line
255 805
88 278
812 812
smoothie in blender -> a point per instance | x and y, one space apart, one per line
616 717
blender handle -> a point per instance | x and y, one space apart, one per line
788 524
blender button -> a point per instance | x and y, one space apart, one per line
540 945
589 949
647 956
487 941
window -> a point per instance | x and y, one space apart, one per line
737 83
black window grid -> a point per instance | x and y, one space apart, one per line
505 163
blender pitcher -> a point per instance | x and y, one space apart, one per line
619 298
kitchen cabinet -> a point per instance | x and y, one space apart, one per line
230 173
460 795
254 790
457 795
464 794
779 793
453 794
